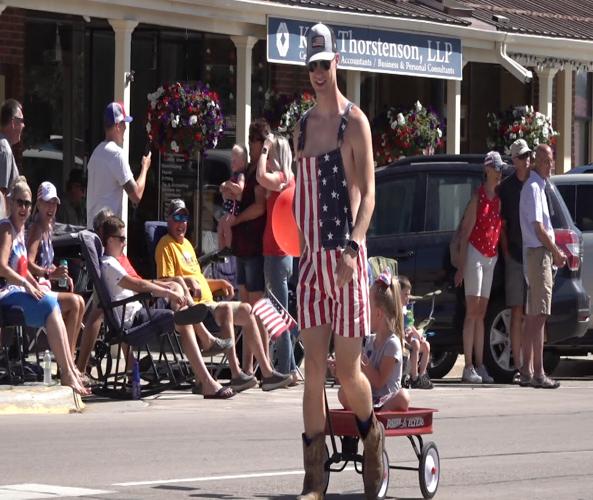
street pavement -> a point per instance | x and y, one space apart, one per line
495 442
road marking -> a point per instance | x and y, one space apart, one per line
32 491
219 478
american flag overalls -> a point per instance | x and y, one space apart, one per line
323 215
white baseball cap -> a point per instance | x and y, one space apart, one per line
47 192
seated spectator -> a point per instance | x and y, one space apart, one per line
417 343
40 252
175 256
122 285
20 288
94 317
73 210
382 357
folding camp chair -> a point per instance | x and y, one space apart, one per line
215 265
168 370
12 345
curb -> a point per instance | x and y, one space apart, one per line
37 398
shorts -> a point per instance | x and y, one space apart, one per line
250 273
478 273
321 301
36 311
537 265
234 305
514 282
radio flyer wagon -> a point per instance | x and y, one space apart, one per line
412 424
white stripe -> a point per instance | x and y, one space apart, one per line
314 203
219 478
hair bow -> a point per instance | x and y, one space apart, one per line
384 277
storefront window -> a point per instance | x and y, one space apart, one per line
582 115
54 102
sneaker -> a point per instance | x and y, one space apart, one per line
406 381
470 376
243 382
544 382
414 383
425 382
482 372
276 381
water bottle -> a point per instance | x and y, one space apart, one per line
63 282
135 380
47 368
409 319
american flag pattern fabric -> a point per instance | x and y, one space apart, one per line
323 215
273 316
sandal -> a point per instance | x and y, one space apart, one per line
222 393
545 382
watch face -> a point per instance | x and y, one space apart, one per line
353 245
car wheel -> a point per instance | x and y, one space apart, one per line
497 343
441 363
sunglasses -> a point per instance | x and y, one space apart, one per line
122 239
23 203
180 217
325 65
524 156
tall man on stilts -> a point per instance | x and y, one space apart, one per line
334 202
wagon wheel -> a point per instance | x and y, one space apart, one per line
429 470
326 471
382 493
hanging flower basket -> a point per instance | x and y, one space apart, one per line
415 132
184 118
297 108
519 122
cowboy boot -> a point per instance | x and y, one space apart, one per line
314 458
372 469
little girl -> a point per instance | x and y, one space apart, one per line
382 353
232 191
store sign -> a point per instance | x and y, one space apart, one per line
366 49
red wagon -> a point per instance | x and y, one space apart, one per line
413 424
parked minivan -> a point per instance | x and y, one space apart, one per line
577 192
419 203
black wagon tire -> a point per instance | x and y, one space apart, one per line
429 470
326 470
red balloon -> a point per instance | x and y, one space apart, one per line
284 225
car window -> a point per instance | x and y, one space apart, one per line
446 198
584 208
560 215
394 206
569 196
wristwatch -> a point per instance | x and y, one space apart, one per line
352 247
264 150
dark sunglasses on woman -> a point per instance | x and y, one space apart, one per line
325 65
24 203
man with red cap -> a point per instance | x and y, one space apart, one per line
109 172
